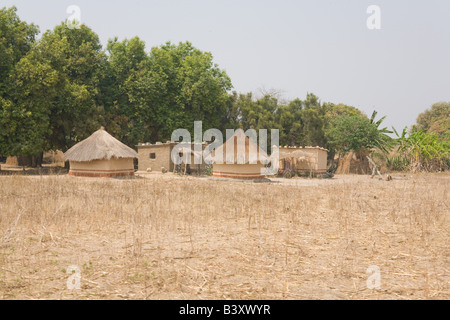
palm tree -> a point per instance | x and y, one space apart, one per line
382 140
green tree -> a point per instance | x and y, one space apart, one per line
332 112
19 128
289 118
238 108
16 39
25 120
358 134
79 63
382 141
261 114
340 110
421 151
301 122
435 120
125 60
177 86
57 82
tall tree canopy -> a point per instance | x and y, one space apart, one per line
16 125
176 86
56 87
301 122
16 39
435 120
122 117
358 134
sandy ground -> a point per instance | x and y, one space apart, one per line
172 237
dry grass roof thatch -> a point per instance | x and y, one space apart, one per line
100 145
251 149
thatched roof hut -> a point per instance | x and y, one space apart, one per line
242 163
101 155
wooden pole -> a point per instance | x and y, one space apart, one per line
375 168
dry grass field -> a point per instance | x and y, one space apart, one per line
170 237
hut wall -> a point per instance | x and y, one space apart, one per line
238 171
311 162
315 159
162 157
102 168
322 161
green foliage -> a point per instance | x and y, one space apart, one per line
177 86
16 39
358 134
126 60
300 122
435 120
382 141
55 92
313 121
421 151
397 163
76 56
340 110
25 118
20 128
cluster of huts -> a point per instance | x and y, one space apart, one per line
102 155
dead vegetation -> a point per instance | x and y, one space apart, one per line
168 237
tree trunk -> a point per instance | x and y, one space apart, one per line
37 160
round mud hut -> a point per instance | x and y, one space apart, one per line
241 162
101 155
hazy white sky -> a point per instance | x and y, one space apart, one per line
295 46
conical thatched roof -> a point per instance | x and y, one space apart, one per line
251 151
100 145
